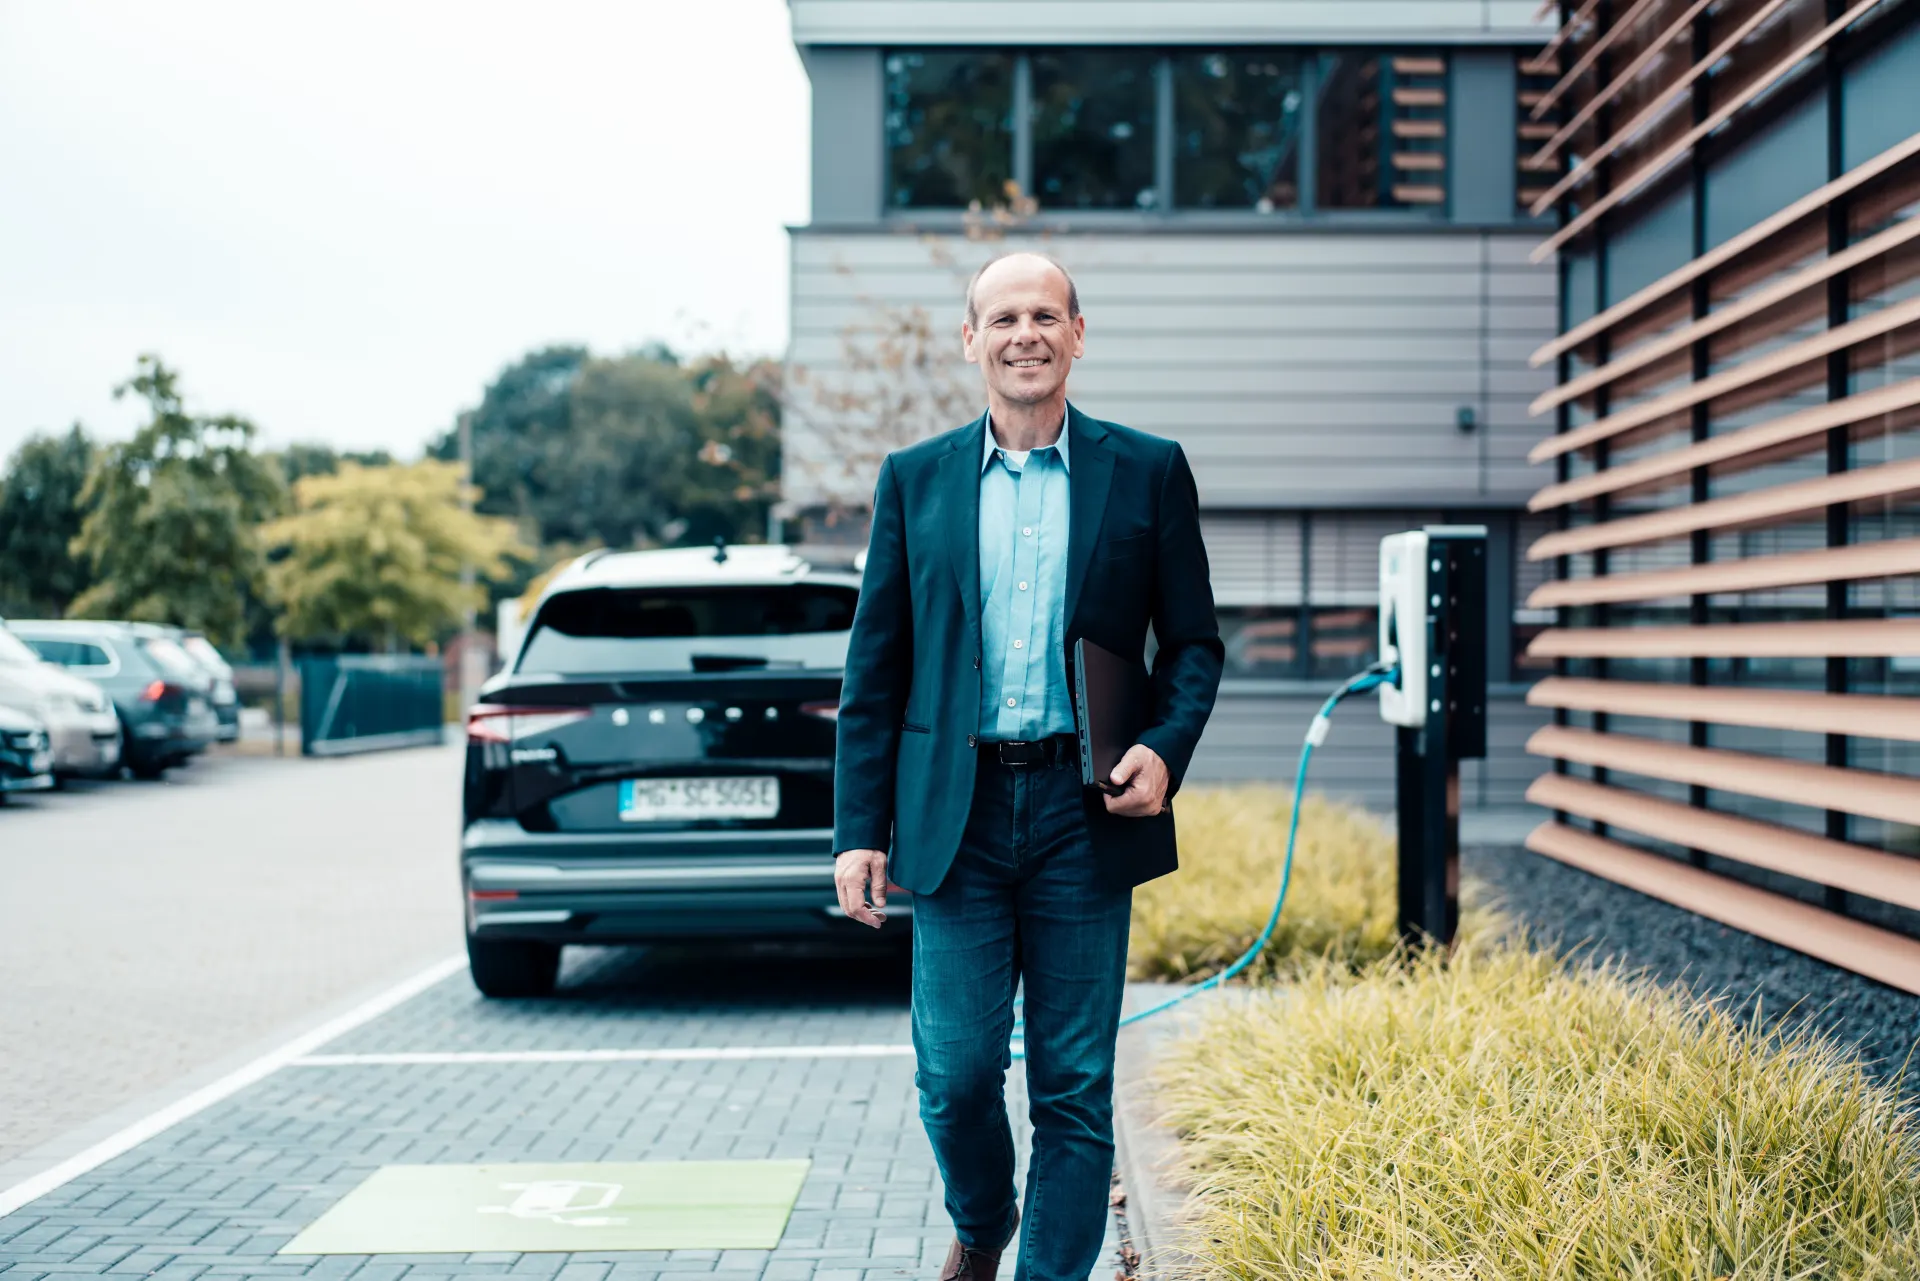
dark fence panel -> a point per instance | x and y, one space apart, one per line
368 702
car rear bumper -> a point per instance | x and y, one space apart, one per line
85 744
629 887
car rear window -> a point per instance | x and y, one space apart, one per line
71 653
604 630
172 660
210 658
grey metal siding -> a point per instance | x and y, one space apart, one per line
1307 370
1031 22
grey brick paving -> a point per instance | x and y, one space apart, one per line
217 1196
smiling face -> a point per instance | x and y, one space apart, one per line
1020 332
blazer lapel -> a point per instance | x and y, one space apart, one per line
960 495
1088 477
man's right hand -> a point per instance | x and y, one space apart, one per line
858 873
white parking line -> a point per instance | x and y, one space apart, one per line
697 1054
147 1127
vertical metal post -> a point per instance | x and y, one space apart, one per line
1427 759
469 687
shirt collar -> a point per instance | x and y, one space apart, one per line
986 450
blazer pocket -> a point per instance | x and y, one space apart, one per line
1130 545
911 728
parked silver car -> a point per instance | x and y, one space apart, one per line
79 718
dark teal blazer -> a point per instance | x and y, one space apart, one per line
910 707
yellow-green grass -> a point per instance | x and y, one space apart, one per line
1341 904
1501 1115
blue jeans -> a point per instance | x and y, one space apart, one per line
1022 902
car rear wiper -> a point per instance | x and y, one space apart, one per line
739 662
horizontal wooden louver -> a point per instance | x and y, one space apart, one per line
1759 441
1758 234
1891 878
1840 638
1623 188
1807 350
1866 715
1724 318
1735 514
1865 949
1758 573
1780 502
1853 791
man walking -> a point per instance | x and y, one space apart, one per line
994 547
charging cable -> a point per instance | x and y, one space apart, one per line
1385 672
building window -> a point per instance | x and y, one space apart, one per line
949 125
1381 131
1237 121
1535 76
1093 129
1251 129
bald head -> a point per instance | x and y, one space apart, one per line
1008 267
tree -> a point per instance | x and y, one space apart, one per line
39 518
374 554
624 451
522 433
309 458
170 532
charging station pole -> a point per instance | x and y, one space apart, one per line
1444 594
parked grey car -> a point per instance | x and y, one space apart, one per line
226 699
79 717
26 757
163 697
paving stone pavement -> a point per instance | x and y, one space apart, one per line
218 1195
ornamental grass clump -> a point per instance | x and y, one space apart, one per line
1504 1116
1340 906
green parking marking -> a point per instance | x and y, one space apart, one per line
644 1205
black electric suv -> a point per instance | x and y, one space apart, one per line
656 763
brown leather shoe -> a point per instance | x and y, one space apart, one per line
971 1263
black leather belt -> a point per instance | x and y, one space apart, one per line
1062 751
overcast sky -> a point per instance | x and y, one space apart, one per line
342 219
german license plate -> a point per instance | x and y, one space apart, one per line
652 800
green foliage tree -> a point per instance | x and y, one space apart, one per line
39 518
308 458
170 531
374 554
634 450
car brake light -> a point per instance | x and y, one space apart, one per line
825 711
156 690
491 723
493 896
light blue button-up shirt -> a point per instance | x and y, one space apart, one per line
1024 692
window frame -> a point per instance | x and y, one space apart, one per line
1305 215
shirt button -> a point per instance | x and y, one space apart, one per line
1010 702
1019 644
1028 531
1023 587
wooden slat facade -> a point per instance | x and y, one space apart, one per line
1731 467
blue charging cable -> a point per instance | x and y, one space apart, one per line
1382 673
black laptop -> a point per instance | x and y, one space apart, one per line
1110 700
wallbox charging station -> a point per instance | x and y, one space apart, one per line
1433 629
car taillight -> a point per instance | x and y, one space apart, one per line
825 711
488 723
157 690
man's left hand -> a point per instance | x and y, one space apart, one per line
1145 776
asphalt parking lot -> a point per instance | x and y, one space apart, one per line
172 935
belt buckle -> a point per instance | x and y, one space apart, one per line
1024 755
